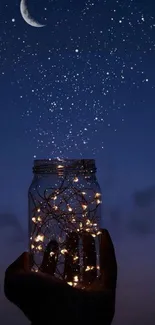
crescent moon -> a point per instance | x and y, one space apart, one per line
26 16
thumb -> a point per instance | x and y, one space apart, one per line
22 263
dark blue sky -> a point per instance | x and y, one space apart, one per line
83 86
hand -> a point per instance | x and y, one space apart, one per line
44 299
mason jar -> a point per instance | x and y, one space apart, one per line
64 219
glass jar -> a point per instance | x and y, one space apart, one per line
64 219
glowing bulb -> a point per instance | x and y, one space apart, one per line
84 206
32 246
70 283
93 235
38 210
80 224
55 197
89 268
97 195
60 166
98 201
69 208
76 179
39 238
52 253
55 207
75 258
99 233
83 193
39 247
39 218
76 278
88 222
64 251
34 219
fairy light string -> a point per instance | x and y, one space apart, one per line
61 218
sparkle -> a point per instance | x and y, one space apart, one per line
74 88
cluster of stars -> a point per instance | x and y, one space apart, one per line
70 78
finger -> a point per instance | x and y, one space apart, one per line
89 258
108 264
50 258
35 294
22 263
71 265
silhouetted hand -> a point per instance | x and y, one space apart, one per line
45 300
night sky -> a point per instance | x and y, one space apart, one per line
83 86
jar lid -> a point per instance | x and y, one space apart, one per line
64 165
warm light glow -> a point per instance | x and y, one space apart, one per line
64 251
52 253
84 206
60 166
72 208
74 284
97 195
35 220
89 268
76 278
88 222
70 283
39 238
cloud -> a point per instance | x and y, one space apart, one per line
142 223
137 216
145 198
141 219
